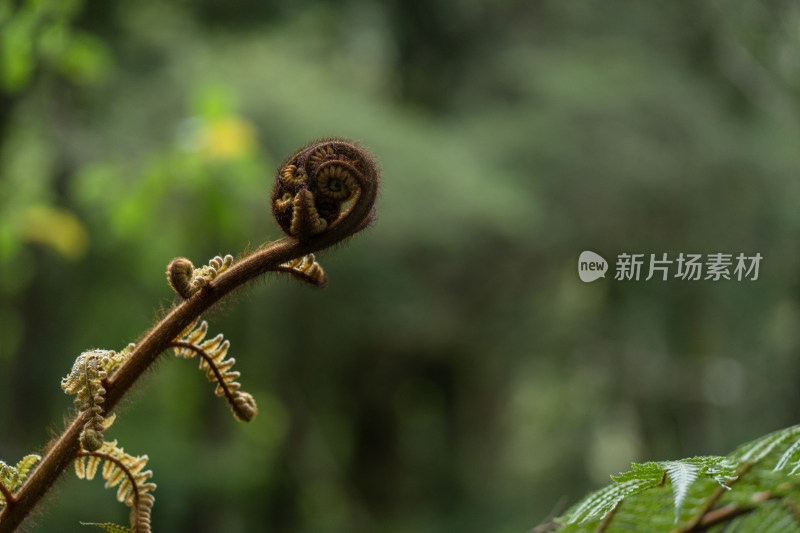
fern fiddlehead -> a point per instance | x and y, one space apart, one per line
314 186
324 206
186 280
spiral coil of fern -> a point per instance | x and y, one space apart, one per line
320 181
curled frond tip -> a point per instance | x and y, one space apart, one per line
186 280
322 185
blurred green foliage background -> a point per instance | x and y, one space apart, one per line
456 375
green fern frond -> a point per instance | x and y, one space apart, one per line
680 474
755 489
603 501
769 517
126 472
12 477
305 269
85 380
108 526
790 456
212 354
760 449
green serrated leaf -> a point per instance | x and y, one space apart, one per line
601 502
769 517
790 455
644 477
650 470
759 449
762 493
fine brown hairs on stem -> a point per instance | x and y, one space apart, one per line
320 185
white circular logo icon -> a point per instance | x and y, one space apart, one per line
591 266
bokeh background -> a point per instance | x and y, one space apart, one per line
455 375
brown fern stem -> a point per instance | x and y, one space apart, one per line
10 500
720 516
64 450
229 395
729 512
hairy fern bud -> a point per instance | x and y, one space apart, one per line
179 276
318 186
186 280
